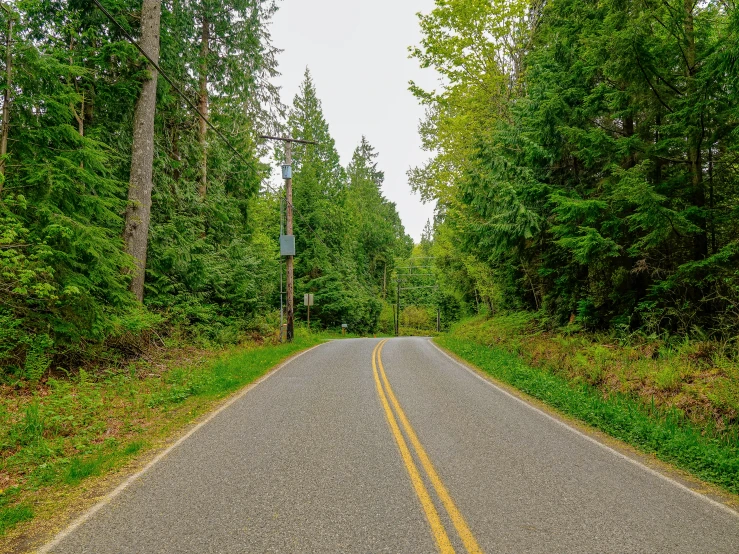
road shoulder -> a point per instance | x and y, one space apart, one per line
66 508
648 462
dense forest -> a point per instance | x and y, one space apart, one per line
126 217
583 160
586 161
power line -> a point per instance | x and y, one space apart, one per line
192 105
220 135
172 83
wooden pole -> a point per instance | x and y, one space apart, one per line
282 274
289 261
290 292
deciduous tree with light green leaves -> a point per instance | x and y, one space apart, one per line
601 185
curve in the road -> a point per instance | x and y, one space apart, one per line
674 482
318 459
463 529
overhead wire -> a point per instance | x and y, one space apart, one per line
171 82
215 129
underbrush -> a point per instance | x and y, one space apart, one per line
679 401
66 428
699 380
28 357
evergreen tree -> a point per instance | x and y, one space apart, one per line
346 232
72 102
601 188
62 255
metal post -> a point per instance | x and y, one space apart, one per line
397 307
438 319
289 231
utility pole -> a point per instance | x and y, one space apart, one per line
282 287
409 279
288 252
289 261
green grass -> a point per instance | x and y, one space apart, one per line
665 433
68 430
11 515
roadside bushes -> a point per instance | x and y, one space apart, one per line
699 380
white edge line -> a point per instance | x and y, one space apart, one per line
120 488
561 423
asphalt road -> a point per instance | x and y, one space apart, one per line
371 446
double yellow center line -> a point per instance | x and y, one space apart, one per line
437 528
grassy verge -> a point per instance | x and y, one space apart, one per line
707 451
55 435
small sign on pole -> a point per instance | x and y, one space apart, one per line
308 301
343 328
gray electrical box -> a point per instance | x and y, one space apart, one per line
287 171
287 245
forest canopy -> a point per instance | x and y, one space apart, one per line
584 158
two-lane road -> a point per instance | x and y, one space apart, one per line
390 446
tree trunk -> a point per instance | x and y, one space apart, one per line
658 163
695 141
138 212
203 106
6 97
80 117
712 200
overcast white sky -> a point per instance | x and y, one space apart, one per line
357 52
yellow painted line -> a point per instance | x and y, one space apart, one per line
460 524
437 528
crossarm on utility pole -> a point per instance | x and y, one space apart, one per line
288 139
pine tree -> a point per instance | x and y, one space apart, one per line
345 230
